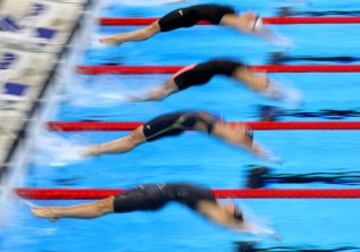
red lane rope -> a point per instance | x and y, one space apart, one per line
108 21
126 126
93 126
103 69
82 194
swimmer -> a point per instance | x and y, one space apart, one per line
173 124
152 197
202 73
247 22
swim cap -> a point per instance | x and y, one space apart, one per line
249 134
238 215
258 24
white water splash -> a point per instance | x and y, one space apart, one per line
55 150
292 96
29 203
95 41
282 41
98 95
107 91
256 225
7 209
282 89
269 156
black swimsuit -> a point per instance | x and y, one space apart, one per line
202 73
190 16
173 124
155 196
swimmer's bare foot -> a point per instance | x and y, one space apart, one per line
44 212
109 41
89 152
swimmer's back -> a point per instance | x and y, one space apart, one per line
204 72
190 16
209 12
188 194
155 196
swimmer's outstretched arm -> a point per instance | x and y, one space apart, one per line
215 213
81 211
250 23
138 35
122 145
218 214
235 134
158 93
258 82
263 153
269 35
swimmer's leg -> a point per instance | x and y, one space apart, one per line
122 145
82 211
158 93
138 35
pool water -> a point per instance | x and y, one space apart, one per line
194 157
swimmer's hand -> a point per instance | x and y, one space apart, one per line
275 91
257 230
281 41
262 31
263 153
285 92
269 156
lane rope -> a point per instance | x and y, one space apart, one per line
111 21
127 126
104 69
87 194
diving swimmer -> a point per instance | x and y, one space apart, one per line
216 14
195 75
152 197
173 124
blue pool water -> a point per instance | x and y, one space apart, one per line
194 157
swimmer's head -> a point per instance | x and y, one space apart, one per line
258 24
234 211
238 214
249 135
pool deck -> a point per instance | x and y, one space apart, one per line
31 46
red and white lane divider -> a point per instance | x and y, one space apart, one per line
83 194
111 21
126 126
104 69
